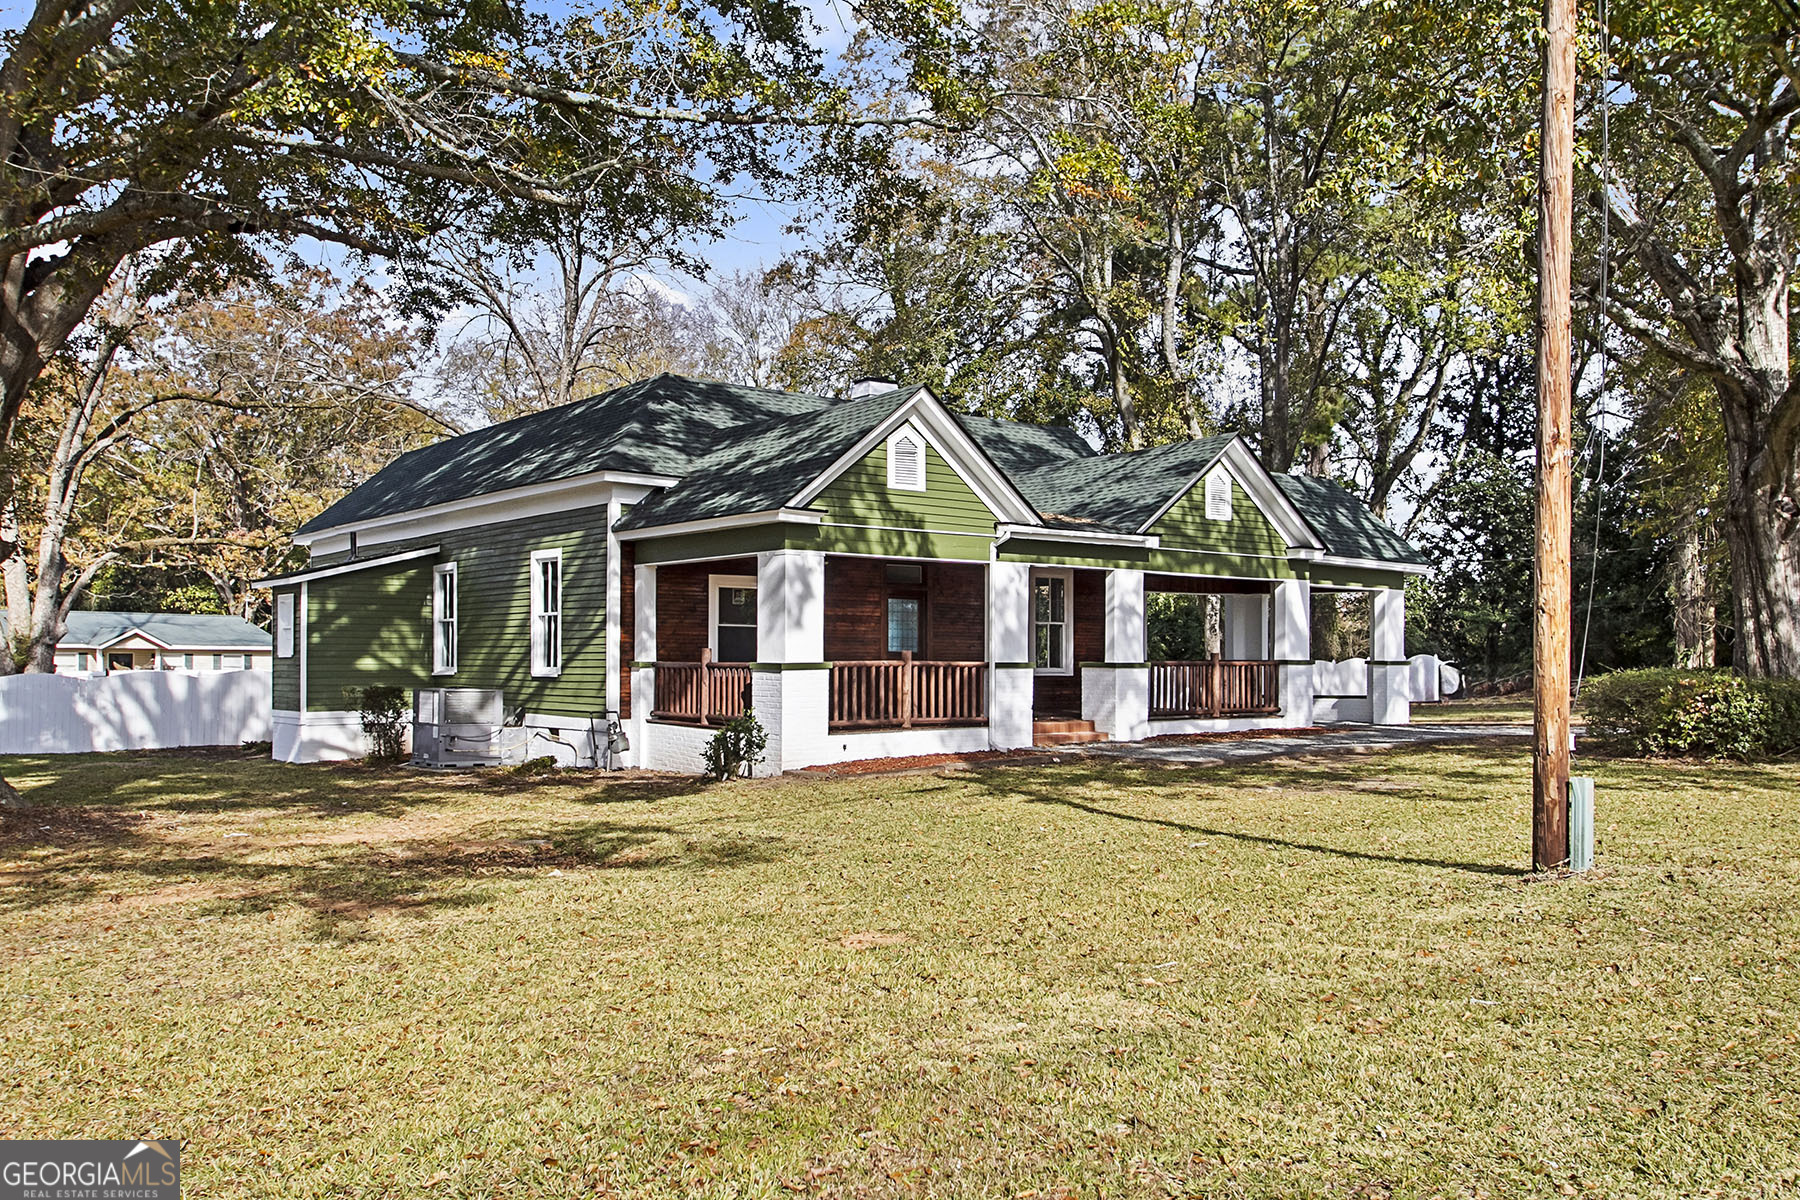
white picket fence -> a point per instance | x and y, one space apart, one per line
136 710
1429 678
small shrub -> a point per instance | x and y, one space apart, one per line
736 749
1695 714
543 764
384 716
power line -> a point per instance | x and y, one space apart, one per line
1587 620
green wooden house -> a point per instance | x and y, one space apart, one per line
873 574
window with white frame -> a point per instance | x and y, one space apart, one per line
284 625
1218 495
906 461
443 620
1052 633
546 612
731 617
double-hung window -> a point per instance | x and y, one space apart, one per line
546 612
284 625
443 620
905 607
1052 637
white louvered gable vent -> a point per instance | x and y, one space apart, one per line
1218 495
906 461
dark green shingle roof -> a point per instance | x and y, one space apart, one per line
657 427
199 631
741 450
1119 492
1345 523
762 466
1017 447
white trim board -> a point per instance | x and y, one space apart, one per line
510 504
1368 564
361 564
785 515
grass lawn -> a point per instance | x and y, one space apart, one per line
1486 710
1288 979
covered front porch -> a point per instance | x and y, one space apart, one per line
846 656
903 642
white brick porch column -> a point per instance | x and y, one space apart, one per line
791 688
1290 637
643 660
1390 697
1009 655
1116 698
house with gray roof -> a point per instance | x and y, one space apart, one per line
872 575
106 643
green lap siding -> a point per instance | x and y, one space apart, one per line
364 629
493 568
1332 575
861 496
374 626
1248 533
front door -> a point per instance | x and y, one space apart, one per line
733 605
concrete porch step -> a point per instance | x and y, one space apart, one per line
1064 733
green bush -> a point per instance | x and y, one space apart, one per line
543 764
736 749
1694 714
384 716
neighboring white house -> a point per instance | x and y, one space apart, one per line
103 643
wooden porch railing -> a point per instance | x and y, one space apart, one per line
1215 687
903 693
703 692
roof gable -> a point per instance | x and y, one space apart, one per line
860 494
1187 525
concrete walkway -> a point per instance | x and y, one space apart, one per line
1347 739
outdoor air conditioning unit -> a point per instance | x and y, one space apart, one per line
464 727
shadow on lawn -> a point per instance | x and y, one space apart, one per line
104 829
192 781
342 889
1056 785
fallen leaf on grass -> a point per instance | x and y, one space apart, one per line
870 938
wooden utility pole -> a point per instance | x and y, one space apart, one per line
1550 627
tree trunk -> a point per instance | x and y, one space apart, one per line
1690 596
15 581
1762 532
